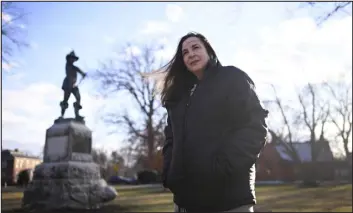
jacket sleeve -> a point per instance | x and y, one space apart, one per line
167 151
246 135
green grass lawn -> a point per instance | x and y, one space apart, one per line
336 198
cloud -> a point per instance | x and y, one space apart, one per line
167 52
7 18
15 78
34 45
67 49
297 51
8 66
126 54
174 12
28 111
156 27
293 53
133 50
109 40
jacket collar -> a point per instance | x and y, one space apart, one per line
211 69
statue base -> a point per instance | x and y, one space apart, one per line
68 178
67 185
78 119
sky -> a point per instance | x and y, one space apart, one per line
275 43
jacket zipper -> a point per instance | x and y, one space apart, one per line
192 92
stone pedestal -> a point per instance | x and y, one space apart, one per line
68 177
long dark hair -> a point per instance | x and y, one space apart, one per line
178 79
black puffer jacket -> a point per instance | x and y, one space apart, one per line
213 139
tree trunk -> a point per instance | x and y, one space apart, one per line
346 149
309 175
150 142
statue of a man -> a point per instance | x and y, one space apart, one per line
70 85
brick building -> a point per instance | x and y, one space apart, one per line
13 162
276 164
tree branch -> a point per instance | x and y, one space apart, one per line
127 74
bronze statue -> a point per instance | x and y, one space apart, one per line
70 85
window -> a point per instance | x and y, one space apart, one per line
19 163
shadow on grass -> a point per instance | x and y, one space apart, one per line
104 209
110 208
308 199
270 198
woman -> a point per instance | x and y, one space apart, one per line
216 129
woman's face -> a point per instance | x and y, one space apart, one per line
195 55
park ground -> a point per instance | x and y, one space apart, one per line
279 198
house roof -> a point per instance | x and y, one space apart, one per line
15 153
303 149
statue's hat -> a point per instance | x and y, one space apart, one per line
72 55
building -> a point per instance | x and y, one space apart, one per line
271 167
276 164
13 162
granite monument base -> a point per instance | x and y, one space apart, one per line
68 178
67 185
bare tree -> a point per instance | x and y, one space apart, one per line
284 136
116 163
129 155
341 110
331 9
100 157
117 158
12 29
127 75
314 114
